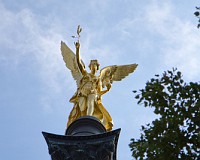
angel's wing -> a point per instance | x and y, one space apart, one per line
117 73
70 60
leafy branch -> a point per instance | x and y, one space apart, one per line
197 14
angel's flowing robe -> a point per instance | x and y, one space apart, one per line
87 97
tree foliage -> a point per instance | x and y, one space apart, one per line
197 14
176 133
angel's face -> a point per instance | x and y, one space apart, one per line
94 66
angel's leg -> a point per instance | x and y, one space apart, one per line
82 105
90 104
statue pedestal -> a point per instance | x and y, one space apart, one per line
85 139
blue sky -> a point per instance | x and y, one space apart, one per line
35 85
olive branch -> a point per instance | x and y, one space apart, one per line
79 29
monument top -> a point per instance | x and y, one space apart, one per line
90 86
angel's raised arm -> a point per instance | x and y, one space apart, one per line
80 65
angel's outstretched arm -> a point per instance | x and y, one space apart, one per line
101 91
104 91
80 65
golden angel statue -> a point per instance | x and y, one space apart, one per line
90 86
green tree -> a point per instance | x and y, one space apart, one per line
197 14
176 133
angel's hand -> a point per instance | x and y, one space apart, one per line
77 44
108 86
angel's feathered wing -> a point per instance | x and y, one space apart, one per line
70 60
117 73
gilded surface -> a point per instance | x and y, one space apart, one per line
90 86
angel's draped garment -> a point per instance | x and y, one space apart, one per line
88 92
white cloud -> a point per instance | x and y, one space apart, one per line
181 42
33 36
25 36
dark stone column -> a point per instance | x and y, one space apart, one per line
85 126
85 139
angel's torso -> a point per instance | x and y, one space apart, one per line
89 84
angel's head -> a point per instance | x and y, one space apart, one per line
94 65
